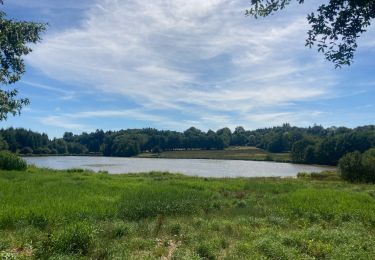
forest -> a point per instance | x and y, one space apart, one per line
314 144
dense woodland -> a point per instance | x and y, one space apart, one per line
314 144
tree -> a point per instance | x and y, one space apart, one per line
125 146
357 167
326 152
335 26
309 154
3 144
275 144
298 150
15 40
225 134
351 166
368 164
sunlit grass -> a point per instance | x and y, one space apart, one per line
73 214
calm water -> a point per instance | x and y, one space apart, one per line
196 167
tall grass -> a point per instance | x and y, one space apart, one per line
165 200
83 215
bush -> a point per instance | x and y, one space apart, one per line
156 149
42 150
351 166
26 150
10 161
368 165
357 167
75 170
324 175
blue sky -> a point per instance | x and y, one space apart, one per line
114 64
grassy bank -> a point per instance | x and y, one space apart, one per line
73 214
231 153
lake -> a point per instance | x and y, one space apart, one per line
193 167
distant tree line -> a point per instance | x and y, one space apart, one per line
314 144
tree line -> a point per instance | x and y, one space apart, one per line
314 144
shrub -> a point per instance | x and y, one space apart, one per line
351 166
75 170
42 150
358 167
156 149
303 175
26 150
368 165
53 151
324 175
10 161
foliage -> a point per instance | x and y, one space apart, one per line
26 150
298 152
335 26
357 167
330 149
325 175
351 166
49 214
15 40
9 161
368 164
314 144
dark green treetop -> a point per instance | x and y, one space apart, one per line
15 40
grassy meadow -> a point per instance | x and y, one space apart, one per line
231 153
48 214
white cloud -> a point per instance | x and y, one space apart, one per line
65 93
189 56
300 117
71 4
65 123
131 113
68 120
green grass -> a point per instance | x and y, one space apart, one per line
83 215
231 153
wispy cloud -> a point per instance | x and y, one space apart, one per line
65 93
69 120
72 4
186 57
62 122
305 117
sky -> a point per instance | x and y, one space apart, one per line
173 64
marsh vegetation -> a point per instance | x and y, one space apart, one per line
80 214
